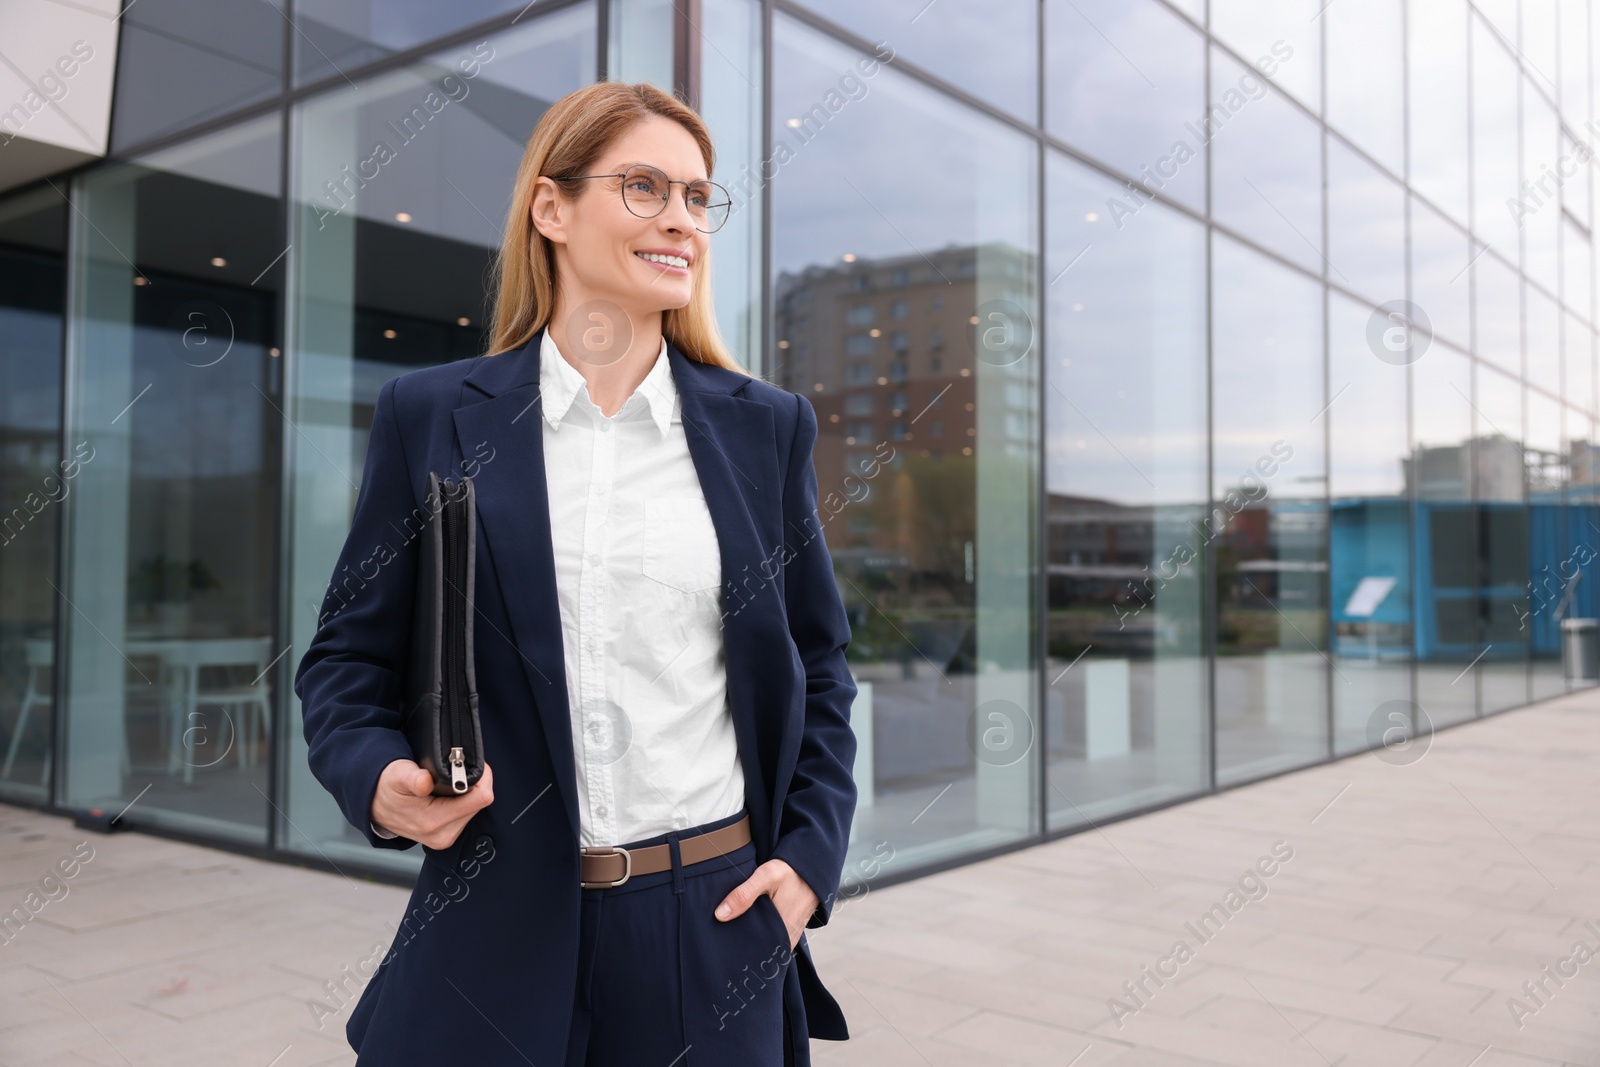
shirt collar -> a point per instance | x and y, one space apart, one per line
560 383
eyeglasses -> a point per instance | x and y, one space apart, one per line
646 189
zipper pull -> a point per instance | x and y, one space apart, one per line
458 770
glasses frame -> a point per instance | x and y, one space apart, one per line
622 192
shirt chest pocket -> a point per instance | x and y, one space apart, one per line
680 544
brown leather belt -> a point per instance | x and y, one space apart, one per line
608 866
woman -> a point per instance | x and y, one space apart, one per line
659 648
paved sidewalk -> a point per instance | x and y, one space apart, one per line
1405 908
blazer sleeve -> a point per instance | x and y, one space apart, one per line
350 681
814 831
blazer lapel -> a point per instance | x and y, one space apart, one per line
730 441
514 513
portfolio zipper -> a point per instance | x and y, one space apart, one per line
455 669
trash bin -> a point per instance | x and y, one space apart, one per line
1580 649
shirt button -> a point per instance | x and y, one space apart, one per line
601 810
594 558
605 426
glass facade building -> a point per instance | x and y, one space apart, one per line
1206 390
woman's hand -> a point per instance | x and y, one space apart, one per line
794 899
404 804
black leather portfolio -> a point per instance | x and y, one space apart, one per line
441 685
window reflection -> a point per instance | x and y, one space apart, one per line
1497 311
1125 477
1253 28
1494 141
1573 46
1537 208
334 36
1576 282
1366 90
1126 83
1366 226
172 531
1577 343
389 276
180 62
972 44
1269 514
32 481
1266 176
930 440
1543 341
1549 559
1369 531
1437 88
1503 536
1440 475
1441 282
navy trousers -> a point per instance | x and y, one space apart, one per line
663 982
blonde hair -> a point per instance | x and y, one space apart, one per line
569 139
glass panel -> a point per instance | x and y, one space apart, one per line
1266 177
1437 48
1549 547
1538 43
1498 308
1502 16
1195 9
336 36
1537 211
639 41
1577 345
1502 543
973 44
1576 285
1366 90
1446 535
1369 564
171 537
1494 142
34 477
1287 29
1575 169
1269 514
1441 282
1366 227
1577 556
936 561
181 62
1544 341
731 107
1125 444
1574 45
388 277
1124 82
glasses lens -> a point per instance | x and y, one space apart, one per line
644 190
710 204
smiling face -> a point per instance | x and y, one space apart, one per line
601 247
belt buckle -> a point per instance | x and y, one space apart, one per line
603 850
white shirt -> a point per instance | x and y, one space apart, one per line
638 575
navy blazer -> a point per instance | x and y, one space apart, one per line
483 965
